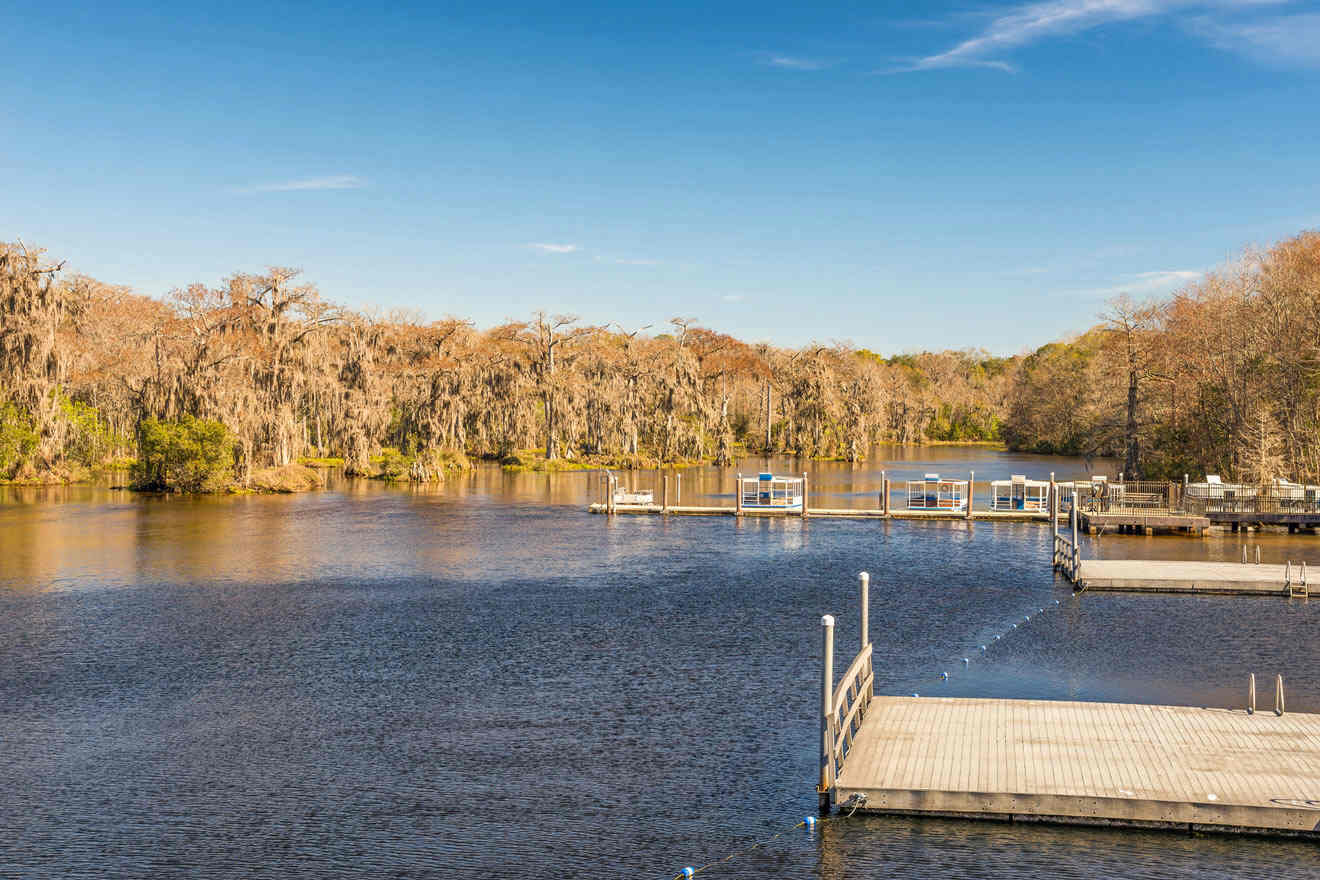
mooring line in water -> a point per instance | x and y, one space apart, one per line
967 661
808 822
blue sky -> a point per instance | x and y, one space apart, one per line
899 175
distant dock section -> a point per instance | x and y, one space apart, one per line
1104 506
1245 578
931 498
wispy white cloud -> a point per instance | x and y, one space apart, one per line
547 248
1145 283
1285 40
1031 23
795 62
337 181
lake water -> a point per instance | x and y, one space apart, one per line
482 680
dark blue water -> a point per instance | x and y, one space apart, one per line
484 681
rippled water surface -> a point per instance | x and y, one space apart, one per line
486 681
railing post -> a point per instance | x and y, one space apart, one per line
971 493
1054 521
884 493
1076 544
664 504
737 495
826 714
678 490
864 586
806 493
1251 694
889 497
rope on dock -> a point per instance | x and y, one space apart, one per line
808 822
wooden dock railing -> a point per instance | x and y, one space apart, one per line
1067 556
843 706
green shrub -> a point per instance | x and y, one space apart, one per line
90 440
18 438
190 455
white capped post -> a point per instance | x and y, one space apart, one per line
864 584
826 713
971 493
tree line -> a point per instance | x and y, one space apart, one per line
260 371
1222 377
207 386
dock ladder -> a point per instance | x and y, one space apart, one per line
1297 589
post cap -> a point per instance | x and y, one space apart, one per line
864 575
827 620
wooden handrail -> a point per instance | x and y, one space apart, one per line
854 671
852 696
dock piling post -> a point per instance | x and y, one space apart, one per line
1251 694
1244 554
806 493
664 504
864 586
1054 523
1278 695
888 497
1076 546
971 493
884 493
678 490
737 496
1258 554
826 713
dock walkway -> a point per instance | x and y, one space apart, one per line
828 512
1121 764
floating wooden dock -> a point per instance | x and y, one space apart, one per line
839 512
1169 576
1094 763
1113 764
1143 521
1161 576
